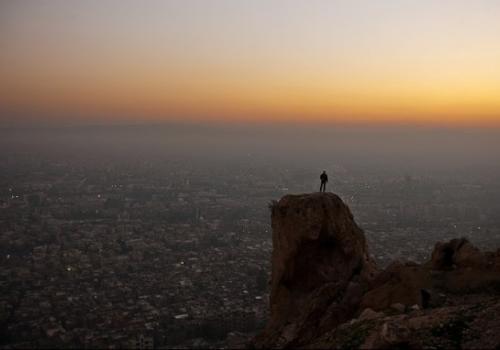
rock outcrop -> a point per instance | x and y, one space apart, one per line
320 267
326 292
456 253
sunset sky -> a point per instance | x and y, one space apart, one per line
349 61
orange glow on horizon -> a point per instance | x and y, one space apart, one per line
147 98
422 66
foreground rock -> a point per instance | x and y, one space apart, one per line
327 293
474 325
320 268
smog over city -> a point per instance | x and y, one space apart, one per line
143 146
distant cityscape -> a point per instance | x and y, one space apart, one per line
175 253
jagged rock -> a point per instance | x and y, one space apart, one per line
456 253
319 263
394 333
398 307
391 333
369 314
398 283
322 277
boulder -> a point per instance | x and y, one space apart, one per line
398 307
399 283
315 242
320 265
369 314
457 253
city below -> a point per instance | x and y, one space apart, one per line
173 252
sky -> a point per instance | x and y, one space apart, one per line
386 61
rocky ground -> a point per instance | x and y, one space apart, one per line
464 326
326 293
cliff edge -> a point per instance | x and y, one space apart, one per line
326 292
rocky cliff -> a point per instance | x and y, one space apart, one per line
326 292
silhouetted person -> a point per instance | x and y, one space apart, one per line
324 179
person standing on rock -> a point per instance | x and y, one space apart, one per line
324 179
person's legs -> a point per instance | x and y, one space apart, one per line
322 187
